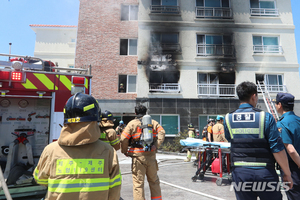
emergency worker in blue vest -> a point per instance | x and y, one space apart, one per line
79 165
289 127
255 145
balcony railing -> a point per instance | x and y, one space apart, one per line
165 9
221 90
272 88
267 49
165 48
215 50
264 12
208 12
165 88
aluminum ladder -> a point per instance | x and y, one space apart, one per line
267 99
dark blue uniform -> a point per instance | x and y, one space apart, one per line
254 138
289 126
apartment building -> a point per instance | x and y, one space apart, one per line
56 43
184 58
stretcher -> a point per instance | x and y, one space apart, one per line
206 151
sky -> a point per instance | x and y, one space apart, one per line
17 15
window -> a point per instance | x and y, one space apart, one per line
127 84
266 44
212 3
169 122
165 43
214 45
165 6
167 38
273 82
129 12
263 7
128 47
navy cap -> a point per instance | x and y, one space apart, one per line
285 98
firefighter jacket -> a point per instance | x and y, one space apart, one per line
132 133
218 132
109 135
191 133
79 166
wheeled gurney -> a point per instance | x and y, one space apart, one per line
205 149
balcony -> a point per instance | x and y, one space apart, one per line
267 49
165 48
207 12
215 50
264 12
165 88
220 90
272 88
158 9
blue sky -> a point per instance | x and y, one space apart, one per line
17 15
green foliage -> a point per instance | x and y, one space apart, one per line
175 144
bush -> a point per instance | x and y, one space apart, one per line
175 145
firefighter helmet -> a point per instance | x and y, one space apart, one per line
107 115
121 122
219 117
211 120
190 125
81 108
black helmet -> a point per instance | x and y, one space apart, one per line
81 108
211 120
107 115
190 125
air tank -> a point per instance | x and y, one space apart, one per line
147 136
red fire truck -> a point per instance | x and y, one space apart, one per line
33 93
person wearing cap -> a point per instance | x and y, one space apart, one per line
108 134
120 128
289 127
255 146
219 136
218 130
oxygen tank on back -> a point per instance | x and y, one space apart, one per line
147 136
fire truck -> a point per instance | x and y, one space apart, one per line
33 93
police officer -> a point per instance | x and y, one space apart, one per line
79 165
255 142
289 127
191 134
108 134
143 161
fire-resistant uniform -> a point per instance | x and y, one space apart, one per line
191 134
79 166
218 132
143 162
254 138
109 135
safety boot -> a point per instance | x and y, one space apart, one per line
187 160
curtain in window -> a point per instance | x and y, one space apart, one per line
131 83
170 124
133 47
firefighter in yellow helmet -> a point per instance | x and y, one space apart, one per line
108 134
79 165
143 154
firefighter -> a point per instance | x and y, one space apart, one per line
191 134
143 160
108 134
207 130
79 165
255 145
219 136
120 128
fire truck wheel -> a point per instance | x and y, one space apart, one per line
15 174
